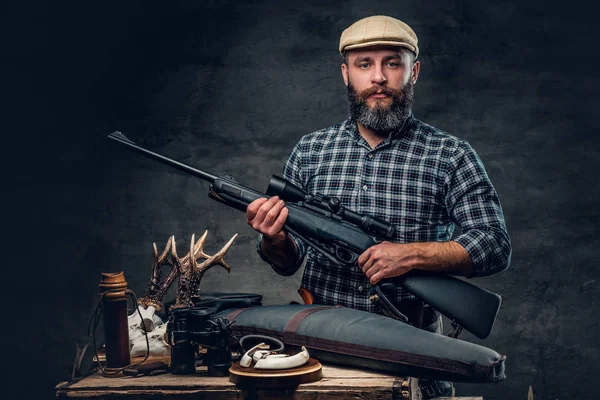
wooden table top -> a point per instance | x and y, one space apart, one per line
337 383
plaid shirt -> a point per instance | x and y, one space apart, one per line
422 180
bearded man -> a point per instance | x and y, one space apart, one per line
385 163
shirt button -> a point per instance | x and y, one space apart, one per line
370 156
365 187
360 288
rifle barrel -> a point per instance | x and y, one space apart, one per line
120 138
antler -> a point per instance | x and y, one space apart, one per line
157 288
191 272
200 269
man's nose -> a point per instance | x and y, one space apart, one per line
378 75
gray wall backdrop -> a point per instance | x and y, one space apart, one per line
230 86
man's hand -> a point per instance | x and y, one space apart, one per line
268 218
386 260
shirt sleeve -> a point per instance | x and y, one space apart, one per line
292 171
473 204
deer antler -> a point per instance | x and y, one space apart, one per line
191 272
157 288
200 269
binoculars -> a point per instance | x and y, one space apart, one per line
189 328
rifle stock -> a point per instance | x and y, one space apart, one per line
471 307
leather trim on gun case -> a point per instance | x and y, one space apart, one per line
365 340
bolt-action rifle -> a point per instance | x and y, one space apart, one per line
342 235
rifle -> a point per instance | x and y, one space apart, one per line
342 235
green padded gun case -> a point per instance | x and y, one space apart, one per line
361 339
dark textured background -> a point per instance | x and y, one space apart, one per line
230 87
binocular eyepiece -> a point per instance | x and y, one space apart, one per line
287 191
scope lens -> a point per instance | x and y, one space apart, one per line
285 190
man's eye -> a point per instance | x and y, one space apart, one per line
393 64
363 65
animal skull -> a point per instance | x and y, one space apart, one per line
156 336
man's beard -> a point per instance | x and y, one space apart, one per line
381 118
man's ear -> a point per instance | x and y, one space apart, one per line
345 73
415 71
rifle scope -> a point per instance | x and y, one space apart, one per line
290 192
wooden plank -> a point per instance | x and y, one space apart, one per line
337 383
333 378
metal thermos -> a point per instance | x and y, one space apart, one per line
114 310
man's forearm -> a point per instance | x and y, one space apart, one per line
282 253
447 257
387 260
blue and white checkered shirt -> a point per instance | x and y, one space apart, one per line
422 180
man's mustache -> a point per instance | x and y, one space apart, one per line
379 90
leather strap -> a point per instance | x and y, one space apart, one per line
379 299
413 313
296 320
233 315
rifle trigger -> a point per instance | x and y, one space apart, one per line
344 254
314 245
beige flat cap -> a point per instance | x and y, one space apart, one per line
378 30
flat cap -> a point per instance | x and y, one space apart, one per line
378 30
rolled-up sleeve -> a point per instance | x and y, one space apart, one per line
473 204
279 269
292 172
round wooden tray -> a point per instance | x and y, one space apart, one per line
252 378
